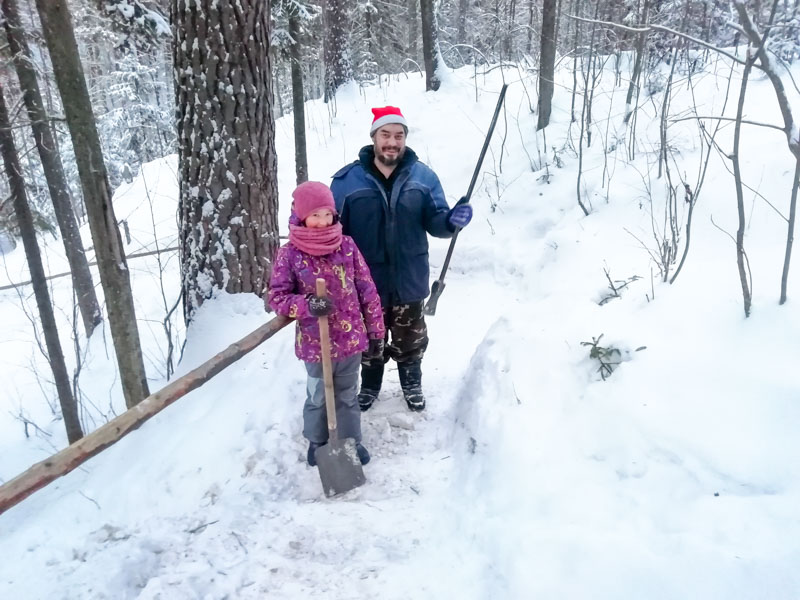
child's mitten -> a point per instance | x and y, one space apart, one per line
319 306
375 349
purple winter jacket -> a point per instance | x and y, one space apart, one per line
356 312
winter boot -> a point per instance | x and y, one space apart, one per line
371 379
411 382
363 455
312 448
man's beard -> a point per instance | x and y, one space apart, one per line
389 162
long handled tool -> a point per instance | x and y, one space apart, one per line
438 286
339 467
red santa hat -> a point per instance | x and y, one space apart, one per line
387 115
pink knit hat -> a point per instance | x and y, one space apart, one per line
386 115
310 196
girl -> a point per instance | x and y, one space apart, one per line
317 248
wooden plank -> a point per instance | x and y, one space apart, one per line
50 469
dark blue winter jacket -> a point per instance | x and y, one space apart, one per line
392 232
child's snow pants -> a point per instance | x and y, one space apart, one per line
345 386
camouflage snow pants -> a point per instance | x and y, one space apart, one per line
409 339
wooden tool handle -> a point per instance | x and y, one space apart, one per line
327 367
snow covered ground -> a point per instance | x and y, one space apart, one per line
528 476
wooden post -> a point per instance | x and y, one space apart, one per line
50 469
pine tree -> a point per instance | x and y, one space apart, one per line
227 162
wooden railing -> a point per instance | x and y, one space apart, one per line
50 469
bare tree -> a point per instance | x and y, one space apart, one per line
114 275
737 173
413 20
53 169
227 162
430 44
337 61
633 86
790 124
298 99
55 355
463 10
547 62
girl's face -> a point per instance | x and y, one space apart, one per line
322 217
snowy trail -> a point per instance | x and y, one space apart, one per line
260 525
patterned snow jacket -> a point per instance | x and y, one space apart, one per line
392 233
356 314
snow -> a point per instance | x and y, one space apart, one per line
529 475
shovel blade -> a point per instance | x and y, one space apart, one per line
339 467
436 290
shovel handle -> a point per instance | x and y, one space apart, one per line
327 367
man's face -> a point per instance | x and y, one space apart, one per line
390 144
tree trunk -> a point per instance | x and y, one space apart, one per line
430 45
547 62
575 39
337 61
413 24
741 257
787 257
633 86
298 101
53 169
463 9
114 276
69 409
531 13
226 142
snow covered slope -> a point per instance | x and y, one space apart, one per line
528 476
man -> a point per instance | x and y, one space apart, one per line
388 202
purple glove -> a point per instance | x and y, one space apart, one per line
460 216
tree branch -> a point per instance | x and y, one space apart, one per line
649 28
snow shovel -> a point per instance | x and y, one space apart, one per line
339 467
438 286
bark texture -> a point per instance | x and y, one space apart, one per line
338 69
227 162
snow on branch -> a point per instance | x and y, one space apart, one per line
766 65
137 16
651 27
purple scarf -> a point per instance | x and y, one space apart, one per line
316 241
